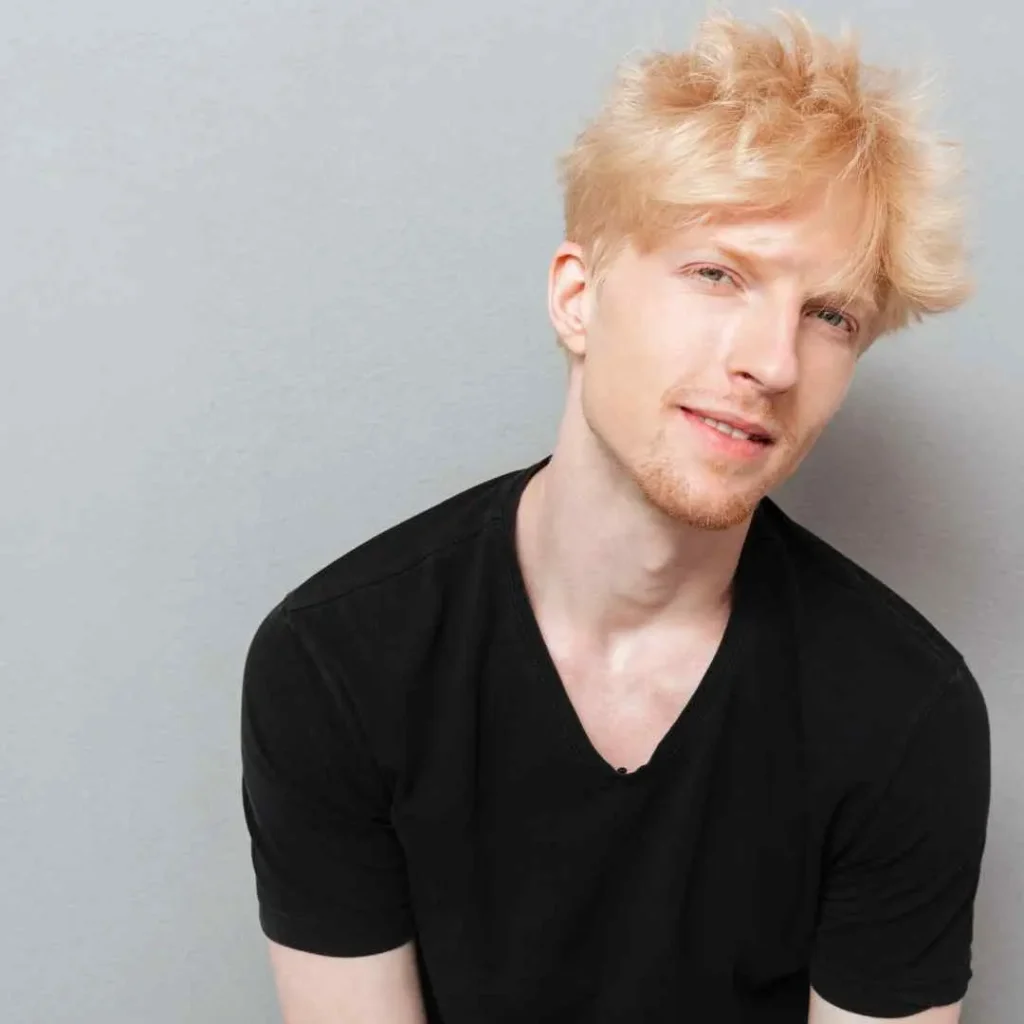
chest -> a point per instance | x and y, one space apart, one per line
537 871
625 710
695 874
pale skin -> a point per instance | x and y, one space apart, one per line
630 537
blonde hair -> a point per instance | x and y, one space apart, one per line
750 120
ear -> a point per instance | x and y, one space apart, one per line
570 294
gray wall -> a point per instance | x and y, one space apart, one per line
273 278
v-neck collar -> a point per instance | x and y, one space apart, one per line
711 693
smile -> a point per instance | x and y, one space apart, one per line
728 439
726 429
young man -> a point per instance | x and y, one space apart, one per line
610 738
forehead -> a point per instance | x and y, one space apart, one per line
828 244
828 240
825 226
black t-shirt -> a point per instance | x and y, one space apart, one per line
414 769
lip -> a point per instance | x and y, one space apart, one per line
747 426
735 449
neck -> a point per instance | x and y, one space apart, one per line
599 560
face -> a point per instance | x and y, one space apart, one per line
707 368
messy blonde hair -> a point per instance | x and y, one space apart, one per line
750 120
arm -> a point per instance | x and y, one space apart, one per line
896 915
823 1012
329 869
315 989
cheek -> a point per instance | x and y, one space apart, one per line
627 345
624 377
643 344
825 377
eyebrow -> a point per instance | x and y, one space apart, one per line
751 263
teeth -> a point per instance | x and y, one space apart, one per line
724 428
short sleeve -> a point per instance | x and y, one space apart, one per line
895 927
330 874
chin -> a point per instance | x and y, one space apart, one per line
705 506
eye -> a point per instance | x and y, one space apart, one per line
711 274
834 318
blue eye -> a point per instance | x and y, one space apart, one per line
713 275
835 319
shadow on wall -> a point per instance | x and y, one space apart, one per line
895 485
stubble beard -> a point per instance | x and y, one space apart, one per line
663 478
731 499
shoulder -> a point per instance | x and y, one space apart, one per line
871 667
370 624
842 602
404 548
391 586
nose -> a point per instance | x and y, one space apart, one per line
764 345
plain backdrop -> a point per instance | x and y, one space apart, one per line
272 279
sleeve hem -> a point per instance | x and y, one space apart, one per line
873 1000
327 938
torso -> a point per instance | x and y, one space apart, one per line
544 885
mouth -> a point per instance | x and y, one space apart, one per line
731 434
734 426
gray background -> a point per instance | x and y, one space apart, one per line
273 278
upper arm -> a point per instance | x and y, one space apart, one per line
896 912
823 1012
330 871
315 989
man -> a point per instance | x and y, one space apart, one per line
610 738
